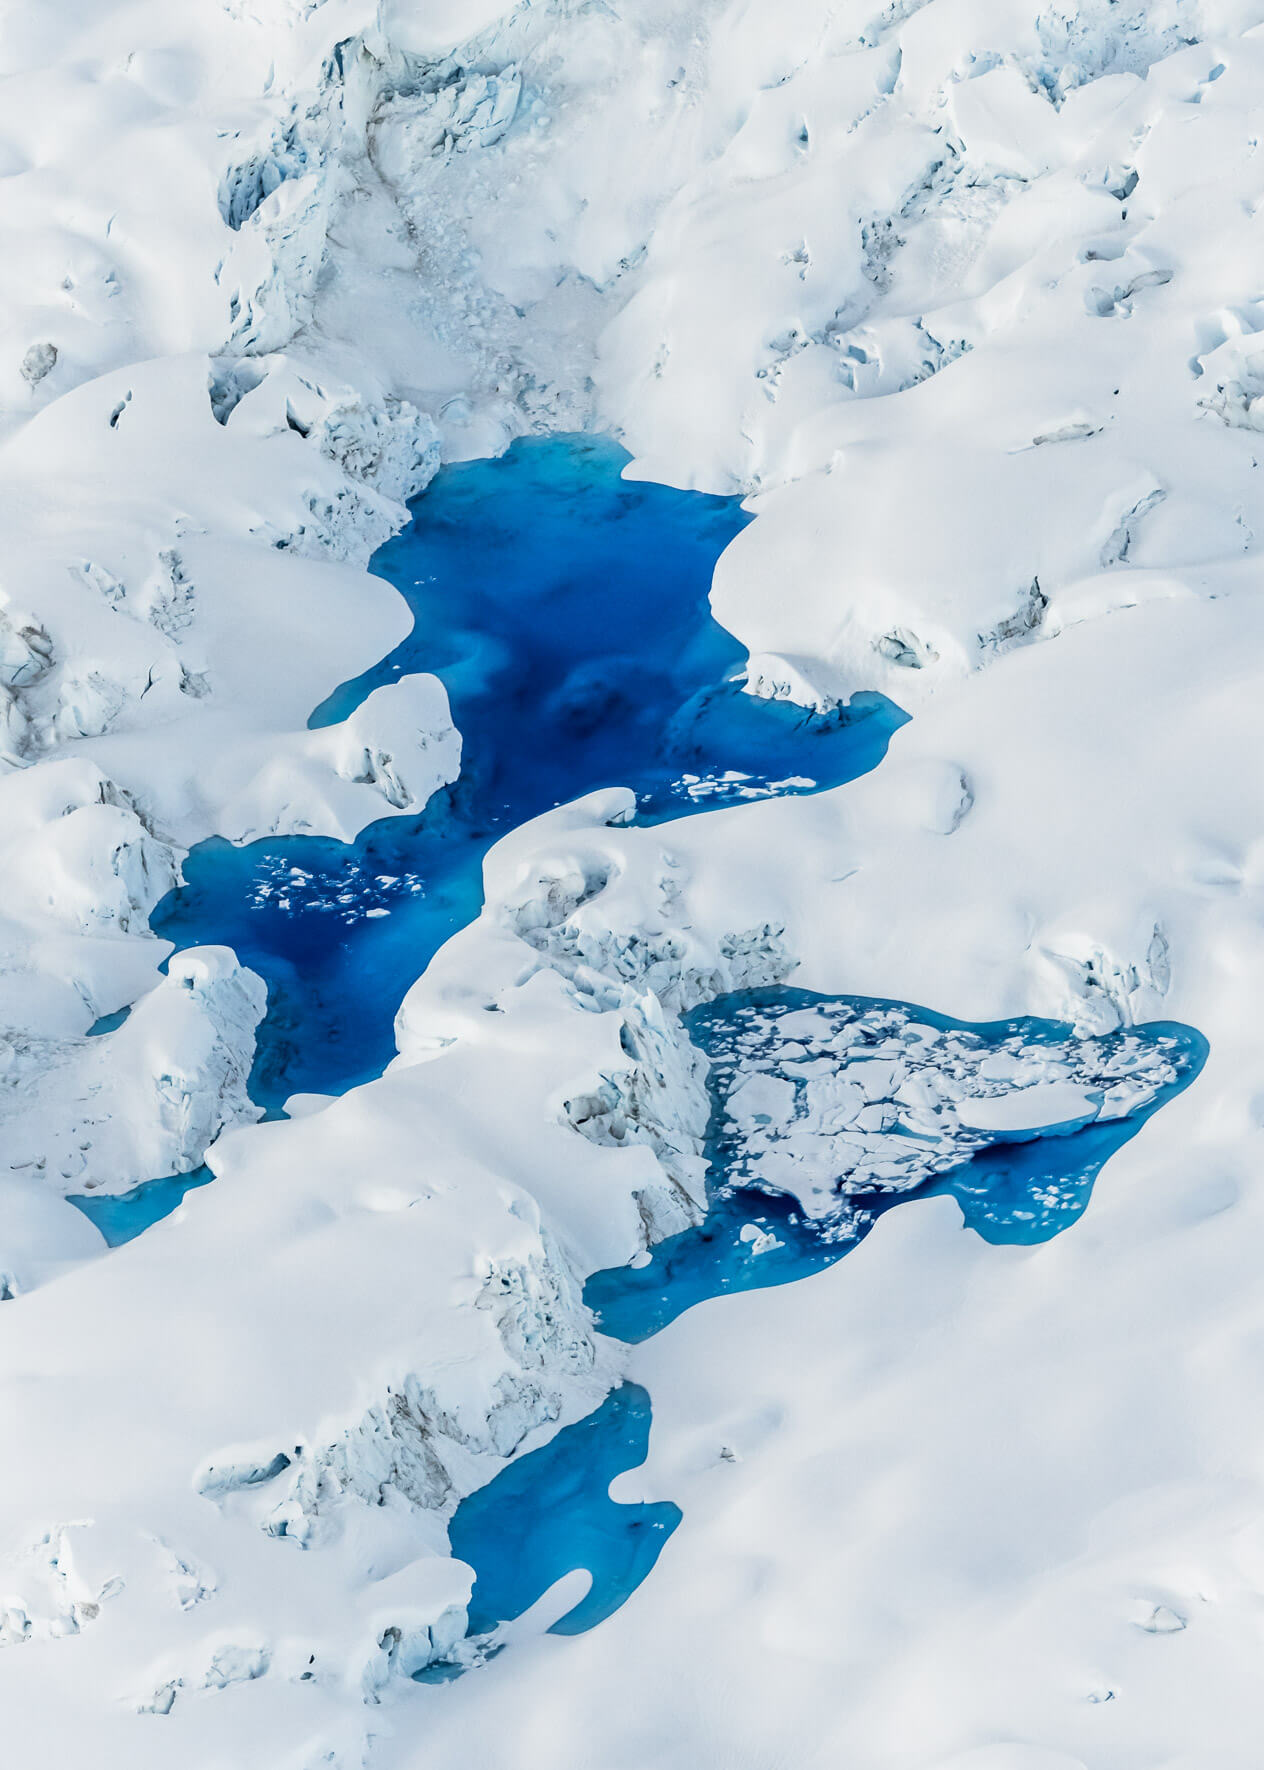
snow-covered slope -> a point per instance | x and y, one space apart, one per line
965 296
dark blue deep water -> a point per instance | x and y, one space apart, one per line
566 610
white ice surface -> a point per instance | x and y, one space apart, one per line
1058 1103
965 296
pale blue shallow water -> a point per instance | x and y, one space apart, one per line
551 1512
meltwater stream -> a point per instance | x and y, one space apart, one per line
566 611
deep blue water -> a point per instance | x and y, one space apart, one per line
566 611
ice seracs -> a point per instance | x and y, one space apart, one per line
143 1101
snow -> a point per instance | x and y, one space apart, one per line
964 297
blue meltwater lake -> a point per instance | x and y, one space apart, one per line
567 612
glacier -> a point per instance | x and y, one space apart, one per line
960 300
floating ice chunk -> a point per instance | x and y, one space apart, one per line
1001 1066
1125 1098
877 1102
1030 1109
832 1101
805 1023
762 1100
